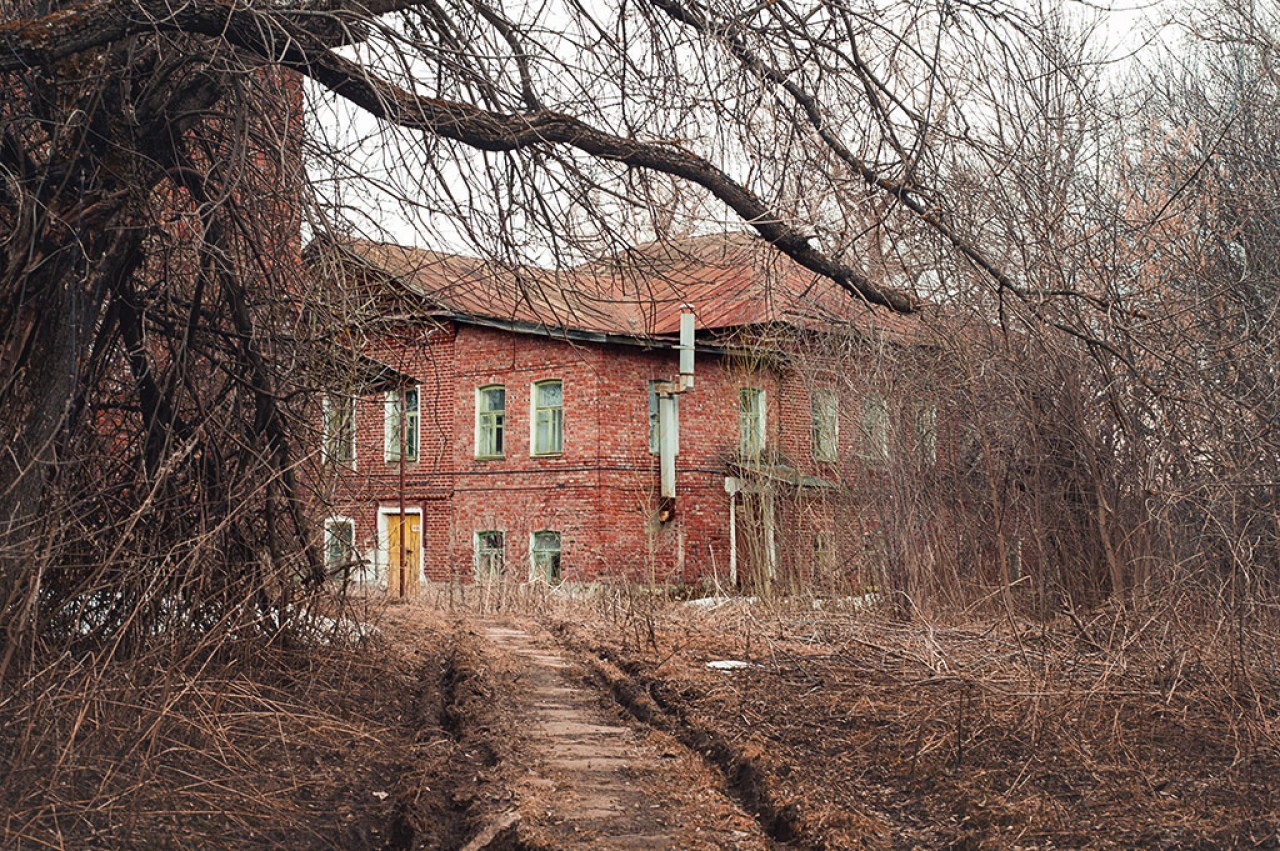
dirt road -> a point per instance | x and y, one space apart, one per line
586 778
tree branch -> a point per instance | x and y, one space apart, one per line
276 37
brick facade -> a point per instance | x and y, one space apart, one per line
601 493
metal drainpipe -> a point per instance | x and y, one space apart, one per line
403 519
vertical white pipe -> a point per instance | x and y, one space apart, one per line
686 348
733 539
667 438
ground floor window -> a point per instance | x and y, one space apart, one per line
340 556
824 555
490 548
546 556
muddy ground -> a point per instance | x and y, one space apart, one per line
598 722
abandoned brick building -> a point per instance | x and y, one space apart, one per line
505 422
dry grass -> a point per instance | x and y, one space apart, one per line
1152 726
245 746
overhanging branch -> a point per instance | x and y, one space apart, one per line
276 36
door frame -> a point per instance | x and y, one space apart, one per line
384 541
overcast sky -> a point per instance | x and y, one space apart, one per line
375 189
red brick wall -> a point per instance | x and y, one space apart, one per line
601 493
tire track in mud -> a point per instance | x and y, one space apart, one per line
450 786
649 701
594 782
742 776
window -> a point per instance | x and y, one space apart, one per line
926 423
490 555
548 418
545 554
824 555
491 419
401 424
340 545
654 434
751 422
825 408
339 429
875 428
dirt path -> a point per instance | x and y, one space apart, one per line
593 781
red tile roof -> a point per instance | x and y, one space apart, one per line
731 280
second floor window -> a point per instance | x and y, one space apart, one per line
826 423
751 421
548 418
875 428
491 420
339 429
400 425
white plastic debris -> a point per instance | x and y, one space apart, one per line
730 665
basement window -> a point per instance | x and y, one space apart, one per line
490 547
338 427
545 557
491 419
825 409
548 418
751 422
401 425
875 428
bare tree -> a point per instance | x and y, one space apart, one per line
152 315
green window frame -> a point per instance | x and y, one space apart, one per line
491 421
824 407
751 421
402 405
544 557
548 417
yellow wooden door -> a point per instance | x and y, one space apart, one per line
412 561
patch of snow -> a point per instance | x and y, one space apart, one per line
710 603
730 665
864 601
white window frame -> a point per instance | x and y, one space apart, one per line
824 407
479 394
534 574
329 523
391 439
326 406
533 418
761 417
